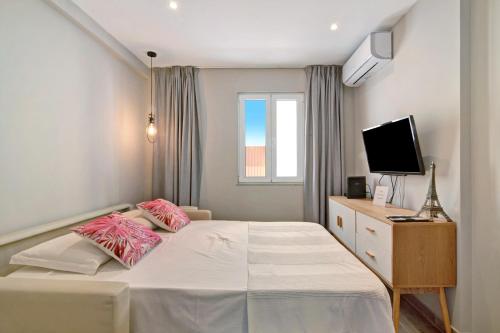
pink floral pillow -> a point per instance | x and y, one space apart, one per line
123 239
164 214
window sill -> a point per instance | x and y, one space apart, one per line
270 183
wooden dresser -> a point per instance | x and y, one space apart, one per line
409 257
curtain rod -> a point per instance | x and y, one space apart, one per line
213 67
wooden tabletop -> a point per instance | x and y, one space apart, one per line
366 207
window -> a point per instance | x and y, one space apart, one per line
271 138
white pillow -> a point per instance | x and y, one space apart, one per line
132 213
66 253
136 216
145 222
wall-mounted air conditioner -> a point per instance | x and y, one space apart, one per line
371 55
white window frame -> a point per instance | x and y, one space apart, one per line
271 166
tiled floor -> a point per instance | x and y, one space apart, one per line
410 322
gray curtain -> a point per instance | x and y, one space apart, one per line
177 151
324 166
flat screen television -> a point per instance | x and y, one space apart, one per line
392 148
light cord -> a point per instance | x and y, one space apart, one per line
151 91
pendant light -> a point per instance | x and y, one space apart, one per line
151 130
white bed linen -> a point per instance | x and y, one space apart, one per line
194 281
229 276
302 281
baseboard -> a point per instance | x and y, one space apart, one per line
425 313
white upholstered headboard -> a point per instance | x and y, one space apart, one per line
17 241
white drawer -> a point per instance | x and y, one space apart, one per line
374 231
342 223
374 244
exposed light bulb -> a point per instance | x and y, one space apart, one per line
173 5
334 26
151 132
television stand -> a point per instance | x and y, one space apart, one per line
409 257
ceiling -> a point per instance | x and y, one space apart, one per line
244 33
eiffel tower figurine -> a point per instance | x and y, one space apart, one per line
432 207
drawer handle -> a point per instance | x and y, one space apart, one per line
339 222
370 229
369 254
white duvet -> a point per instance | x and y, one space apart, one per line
256 277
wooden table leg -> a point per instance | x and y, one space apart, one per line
396 295
444 310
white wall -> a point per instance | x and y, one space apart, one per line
424 79
485 157
350 132
219 189
72 119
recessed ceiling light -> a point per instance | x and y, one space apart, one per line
173 5
334 26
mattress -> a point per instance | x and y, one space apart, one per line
231 276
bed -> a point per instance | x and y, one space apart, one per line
238 277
